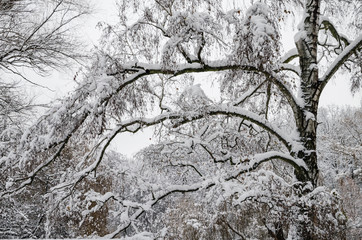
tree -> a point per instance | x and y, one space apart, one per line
34 35
339 146
136 80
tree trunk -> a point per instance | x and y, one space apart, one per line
307 49
310 90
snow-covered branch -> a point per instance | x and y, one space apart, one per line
289 56
222 109
340 60
142 69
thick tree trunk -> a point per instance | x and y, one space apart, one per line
307 48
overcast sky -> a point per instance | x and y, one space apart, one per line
337 91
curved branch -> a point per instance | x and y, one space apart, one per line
289 56
136 124
289 67
340 60
143 69
140 70
222 109
258 159
228 110
328 25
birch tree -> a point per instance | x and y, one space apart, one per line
147 74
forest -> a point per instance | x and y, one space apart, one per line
241 146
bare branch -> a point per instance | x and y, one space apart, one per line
329 26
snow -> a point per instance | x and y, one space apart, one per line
194 223
300 25
90 99
289 54
291 67
267 155
300 36
9 183
140 236
300 100
94 196
195 91
308 115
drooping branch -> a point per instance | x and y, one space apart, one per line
130 74
180 117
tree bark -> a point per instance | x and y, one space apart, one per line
307 127
306 45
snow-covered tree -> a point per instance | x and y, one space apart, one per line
34 36
147 73
339 148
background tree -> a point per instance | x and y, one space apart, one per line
340 150
145 76
34 35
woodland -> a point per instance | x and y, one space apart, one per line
257 159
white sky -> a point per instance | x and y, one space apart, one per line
337 91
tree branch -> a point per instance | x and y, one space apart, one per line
289 56
328 25
340 60
222 109
143 69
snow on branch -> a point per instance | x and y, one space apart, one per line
51 132
69 117
179 118
222 109
340 60
253 162
289 56
143 69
